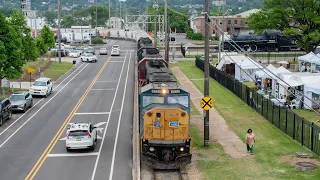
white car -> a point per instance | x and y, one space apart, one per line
74 53
41 87
115 47
81 136
88 57
115 52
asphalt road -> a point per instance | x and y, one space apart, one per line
32 144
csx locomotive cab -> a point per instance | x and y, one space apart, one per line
164 125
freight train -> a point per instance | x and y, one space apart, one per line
164 111
269 40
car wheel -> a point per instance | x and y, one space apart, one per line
10 115
46 95
31 104
87 60
96 138
68 150
1 121
81 60
24 108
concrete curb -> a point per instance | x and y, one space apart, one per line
135 136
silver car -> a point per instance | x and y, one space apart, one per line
115 52
21 101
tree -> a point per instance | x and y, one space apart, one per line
47 36
10 50
294 17
67 21
51 17
41 45
29 48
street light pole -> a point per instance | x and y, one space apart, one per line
166 30
59 33
109 15
206 72
155 6
222 40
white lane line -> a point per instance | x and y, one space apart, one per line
119 121
115 61
73 154
107 89
39 101
91 113
42 106
105 81
104 133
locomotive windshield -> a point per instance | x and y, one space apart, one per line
183 100
147 100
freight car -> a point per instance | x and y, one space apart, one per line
164 114
269 40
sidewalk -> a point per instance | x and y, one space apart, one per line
219 129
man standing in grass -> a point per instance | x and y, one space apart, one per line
250 140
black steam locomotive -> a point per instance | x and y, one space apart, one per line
269 40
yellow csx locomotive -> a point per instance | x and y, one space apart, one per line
165 125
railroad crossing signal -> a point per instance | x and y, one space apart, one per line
30 70
206 103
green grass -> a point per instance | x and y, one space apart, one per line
250 84
56 70
272 144
308 115
201 42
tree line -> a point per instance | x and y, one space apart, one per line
17 46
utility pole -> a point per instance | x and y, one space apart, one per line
206 71
59 33
96 15
155 6
222 41
166 30
109 15
168 37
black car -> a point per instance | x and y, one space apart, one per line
5 111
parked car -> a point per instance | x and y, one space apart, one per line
103 51
88 57
74 53
21 101
115 52
81 136
41 87
5 111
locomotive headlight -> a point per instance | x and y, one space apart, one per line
164 91
181 149
151 149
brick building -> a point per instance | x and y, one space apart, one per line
236 24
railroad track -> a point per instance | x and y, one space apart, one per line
170 174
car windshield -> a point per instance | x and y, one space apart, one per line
16 97
103 49
39 83
116 46
79 133
73 51
89 54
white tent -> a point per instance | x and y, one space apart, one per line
311 92
270 71
245 70
310 57
230 58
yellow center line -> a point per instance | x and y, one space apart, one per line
55 139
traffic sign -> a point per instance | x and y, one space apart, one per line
206 103
30 70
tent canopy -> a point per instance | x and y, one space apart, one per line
267 74
249 63
315 88
310 57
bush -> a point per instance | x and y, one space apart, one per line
97 40
197 36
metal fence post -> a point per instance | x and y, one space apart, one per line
262 104
294 126
279 117
302 131
272 112
267 109
312 134
286 121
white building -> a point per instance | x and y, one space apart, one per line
77 33
115 22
